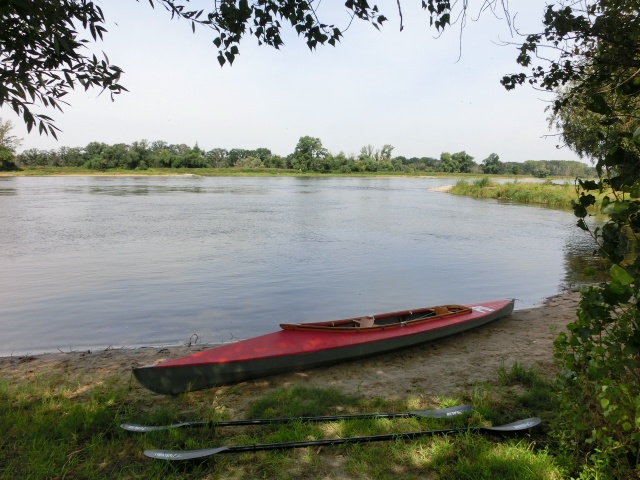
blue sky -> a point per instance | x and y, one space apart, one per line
407 89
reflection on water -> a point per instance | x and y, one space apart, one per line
100 261
6 188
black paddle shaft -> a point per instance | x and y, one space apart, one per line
208 452
440 413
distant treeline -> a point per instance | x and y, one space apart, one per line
309 156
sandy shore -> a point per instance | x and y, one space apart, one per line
440 368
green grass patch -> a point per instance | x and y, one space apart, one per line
544 193
54 428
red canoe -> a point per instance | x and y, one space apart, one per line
308 345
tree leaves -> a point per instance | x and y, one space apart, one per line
49 61
620 276
597 112
42 57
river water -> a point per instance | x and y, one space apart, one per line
97 262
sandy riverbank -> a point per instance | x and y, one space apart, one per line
441 368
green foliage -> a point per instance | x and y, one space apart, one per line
549 194
249 162
58 426
483 182
7 159
309 155
464 161
264 19
541 173
597 111
43 57
7 140
460 162
41 66
493 165
600 398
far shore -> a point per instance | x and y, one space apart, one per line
245 172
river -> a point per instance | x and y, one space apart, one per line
98 262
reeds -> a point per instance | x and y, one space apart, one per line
544 193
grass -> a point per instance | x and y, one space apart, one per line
54 428
545 193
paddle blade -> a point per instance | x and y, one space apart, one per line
516 426
134 427
184 455
443 412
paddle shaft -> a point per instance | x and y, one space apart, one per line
440 413
196 454
340 441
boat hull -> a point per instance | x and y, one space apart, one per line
287 351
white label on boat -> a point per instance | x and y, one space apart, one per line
482 309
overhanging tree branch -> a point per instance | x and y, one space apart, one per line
44 44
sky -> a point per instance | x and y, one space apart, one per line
421 94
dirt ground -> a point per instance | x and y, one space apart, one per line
437 369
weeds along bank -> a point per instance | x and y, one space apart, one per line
557 195
58 428
61 412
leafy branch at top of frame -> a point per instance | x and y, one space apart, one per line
43 56
572 32
232 20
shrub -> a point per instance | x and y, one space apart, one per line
599 428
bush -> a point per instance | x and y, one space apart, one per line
7 159
249 162
599 428
99 163
482 182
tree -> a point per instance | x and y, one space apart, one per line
596 70
457 162
448 163
374 160
7 140
492 165
308 154
8 145
385 153
465 162
249 162
590 130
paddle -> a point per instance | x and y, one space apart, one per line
441 413
208 452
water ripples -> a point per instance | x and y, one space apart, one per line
89 262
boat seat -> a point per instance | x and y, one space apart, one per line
366 322
441 310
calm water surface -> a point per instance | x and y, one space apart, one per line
93 262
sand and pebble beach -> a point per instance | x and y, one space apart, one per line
443 368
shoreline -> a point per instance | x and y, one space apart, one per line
457 363
186 349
